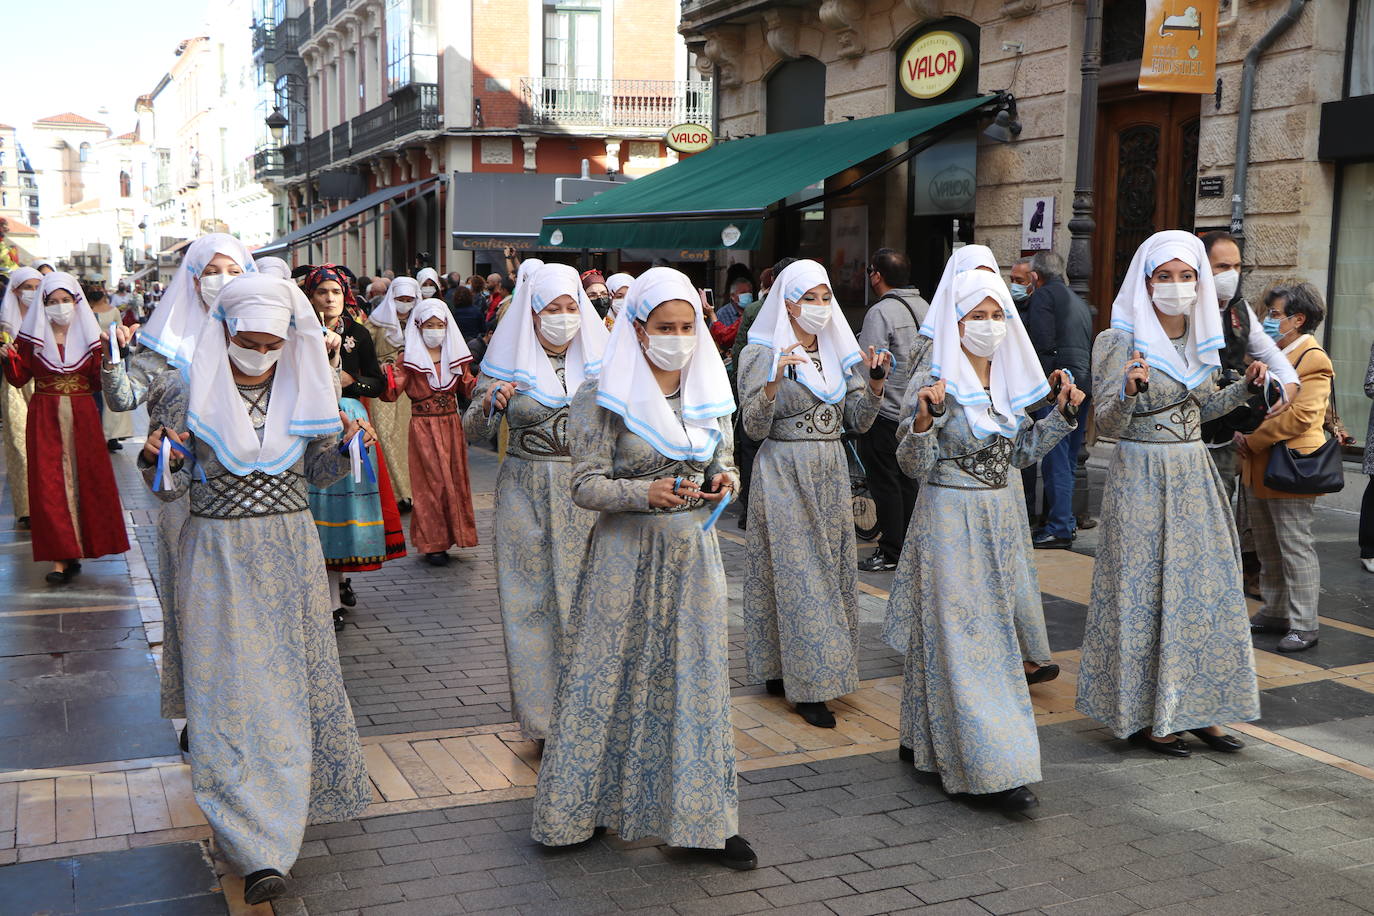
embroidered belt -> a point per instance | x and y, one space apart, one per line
545 440
988 466
229 496
950 486
1183 424
62 385
818 423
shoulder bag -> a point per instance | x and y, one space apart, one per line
1311 474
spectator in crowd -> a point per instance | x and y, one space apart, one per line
1021 285
1060 326
478 285
892 323
467 313
740 293
120 299
376 292
1281 522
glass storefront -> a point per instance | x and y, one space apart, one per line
1351 310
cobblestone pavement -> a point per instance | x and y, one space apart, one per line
1285 827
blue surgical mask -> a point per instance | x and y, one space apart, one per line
745 299
1271 327
1020 292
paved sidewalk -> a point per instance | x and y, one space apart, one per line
840 825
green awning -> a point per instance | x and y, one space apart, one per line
690 204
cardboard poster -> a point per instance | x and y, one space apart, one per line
1180 52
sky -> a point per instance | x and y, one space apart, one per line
80 55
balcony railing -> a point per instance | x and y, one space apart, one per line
264 35
373 128
267 164
321 10
629 104
342 142
417 108
292 33
337 6
319 149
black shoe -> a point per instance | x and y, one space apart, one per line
877 562
113 445
905 754
1051 542
183 741
738 854
1018 799
742 522
1227 744
1042 674
1086 522
1176 748
339 620
437 559
262 886
22 523
346 596
816 714
404 505
63 577
1260 624
775 687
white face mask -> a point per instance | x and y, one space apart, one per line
428 291
671 351
403 308
28 297
813 318
252 362
433 337
982 338
60 314
210 287
1175 298
559 329
1228 281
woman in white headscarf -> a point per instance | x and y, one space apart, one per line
74 503
273 743
20 296
392 418
1167 646
432 373
799 390
617 285
548 344
642 742
1036 658
165 346
966 569
118 424
428 278
273 267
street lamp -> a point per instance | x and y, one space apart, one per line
277 122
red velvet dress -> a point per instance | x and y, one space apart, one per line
442 515
74 507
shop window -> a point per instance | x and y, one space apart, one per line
1351 319
796 95
1361 49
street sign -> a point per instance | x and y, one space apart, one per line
572 190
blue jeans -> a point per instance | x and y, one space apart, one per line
1057 469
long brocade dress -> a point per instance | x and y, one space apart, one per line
539 536
443 515
147 377
74 506
801 604
273 743
642 742
392 419
14 414
965 576
1167 644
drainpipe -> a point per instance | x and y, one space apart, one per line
1247 104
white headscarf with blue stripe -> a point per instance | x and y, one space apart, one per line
516 354
180 312
1016 380
836 344
303 404
627 385
1134 312
968 257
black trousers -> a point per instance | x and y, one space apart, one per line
745 450
1367 521
892 491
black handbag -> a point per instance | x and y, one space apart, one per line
1317 472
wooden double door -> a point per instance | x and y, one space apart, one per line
1146 179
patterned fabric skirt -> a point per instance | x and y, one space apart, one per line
348 515
801 594
14 412
392 421
539 538
273 741
1167 644
964 578
642 742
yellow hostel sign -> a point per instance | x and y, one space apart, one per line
1180 53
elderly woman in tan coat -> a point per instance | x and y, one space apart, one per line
1290 579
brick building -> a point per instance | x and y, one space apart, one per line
435 130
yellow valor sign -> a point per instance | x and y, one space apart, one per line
933 64
1180 52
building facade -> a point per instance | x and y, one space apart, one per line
450 121
1158 159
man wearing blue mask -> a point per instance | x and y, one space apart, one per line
892 323
1022 284
741 295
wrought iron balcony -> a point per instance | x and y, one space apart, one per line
374 127
417 108
267 164
321 14
293 160
287 37
342 141
264 35
632 105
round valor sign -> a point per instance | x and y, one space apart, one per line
689 138
933 64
